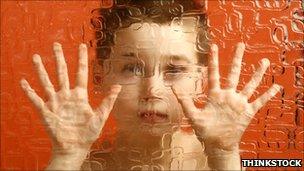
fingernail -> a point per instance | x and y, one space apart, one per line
23 83
214 47
82 45
116 88
265 62
36 58
57 46
241 45
278 87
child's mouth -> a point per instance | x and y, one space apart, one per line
153 117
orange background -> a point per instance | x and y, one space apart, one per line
269 29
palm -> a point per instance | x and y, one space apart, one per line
69 118
227 112
76 123
227 120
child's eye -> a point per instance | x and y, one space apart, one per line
175 69
132 69
128 68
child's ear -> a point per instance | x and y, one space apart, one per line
98 70
200 89
201 83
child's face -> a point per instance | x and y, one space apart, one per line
147 60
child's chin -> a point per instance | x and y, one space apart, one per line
156 129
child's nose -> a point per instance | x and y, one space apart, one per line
152 87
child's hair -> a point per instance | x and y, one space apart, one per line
126 12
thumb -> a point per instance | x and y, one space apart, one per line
187 103
108 102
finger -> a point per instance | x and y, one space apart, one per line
62 70
256 78
213 69
262 100
186 102
82 75
234 75
107 103
37 101
43 76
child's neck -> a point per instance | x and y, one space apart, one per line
176 150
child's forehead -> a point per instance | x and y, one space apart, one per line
151 39
174 52
158 34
